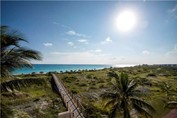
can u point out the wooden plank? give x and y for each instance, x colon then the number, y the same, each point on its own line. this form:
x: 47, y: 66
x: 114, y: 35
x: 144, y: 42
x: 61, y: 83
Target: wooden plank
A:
x: 70, y: 102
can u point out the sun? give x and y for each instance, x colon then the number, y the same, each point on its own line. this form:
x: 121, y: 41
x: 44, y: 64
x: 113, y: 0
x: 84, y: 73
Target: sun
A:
x: 126, y: 21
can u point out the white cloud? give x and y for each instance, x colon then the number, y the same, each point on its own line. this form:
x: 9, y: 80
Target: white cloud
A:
x: 107, y: 40
x: 71, y: 32
x: 61, y: 25
x: 173, y: 11
x: 48, y: 44
x: 171, y: 56
x: 56, y: 53
x: 83, y: 41
x: 86, y: 57
x: 145, y: 52
x: 96, y: 51
x: 67, y: 53
x: 65, y: 26
x: 74, y: 33
x: 89, y: 57
x: 119, y: 60
x: 70, y: 43
x: 175, y: 48
x: 173, y: 52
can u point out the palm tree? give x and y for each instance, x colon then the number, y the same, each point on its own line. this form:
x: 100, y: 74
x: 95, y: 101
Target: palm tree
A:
x: 14, y: 56
x: 124, y: 97
x: 166, y: 88
x: 171, y: 105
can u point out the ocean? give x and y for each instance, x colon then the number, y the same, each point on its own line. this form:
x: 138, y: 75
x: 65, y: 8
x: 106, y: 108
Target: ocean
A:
x: 37, y: 68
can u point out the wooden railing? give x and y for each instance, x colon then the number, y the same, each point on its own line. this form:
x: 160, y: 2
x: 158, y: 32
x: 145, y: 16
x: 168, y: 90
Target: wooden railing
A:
x: 72, y: 103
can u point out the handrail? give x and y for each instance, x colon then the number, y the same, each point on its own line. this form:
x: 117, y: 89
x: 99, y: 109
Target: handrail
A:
x: 74, y: 101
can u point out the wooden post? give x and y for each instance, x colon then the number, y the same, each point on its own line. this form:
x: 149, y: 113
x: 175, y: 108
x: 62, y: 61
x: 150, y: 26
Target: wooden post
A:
x: 69, y: 99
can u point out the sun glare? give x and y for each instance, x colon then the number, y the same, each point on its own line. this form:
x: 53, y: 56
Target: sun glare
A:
x: 126, y: 21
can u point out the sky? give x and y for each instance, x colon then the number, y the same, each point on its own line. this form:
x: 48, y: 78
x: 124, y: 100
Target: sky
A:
x: 71, y: 32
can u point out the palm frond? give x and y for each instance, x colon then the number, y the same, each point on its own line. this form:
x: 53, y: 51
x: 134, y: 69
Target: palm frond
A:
x: 28, y: 54
x: 20, y: 83
x: 6, y: 112
x: 124, y: 82
x: 113, y: 74
x: 14, y: 56
x: 10, y: 38
x: 110, y: 103
x: 114, y: 110
x: 124, y: 96
x: 131, y: 86
x: 142, y: 110
x: 125, y: 106
x: 142, y: 104
x: 171, y: 104
x: 108, y: 95
x: 137, y: 93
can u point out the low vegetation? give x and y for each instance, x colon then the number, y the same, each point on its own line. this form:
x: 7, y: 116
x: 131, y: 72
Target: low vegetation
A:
x: 35, y: 97
x: 158, y: 85
x: 30, y: 98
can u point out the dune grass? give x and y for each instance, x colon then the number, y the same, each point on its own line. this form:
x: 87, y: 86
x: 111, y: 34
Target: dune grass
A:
x: 34, y: 100
x: 88, y: 85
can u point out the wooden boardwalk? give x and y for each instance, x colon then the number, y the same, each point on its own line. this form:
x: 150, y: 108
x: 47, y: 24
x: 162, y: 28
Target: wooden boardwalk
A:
x: 73, y: 105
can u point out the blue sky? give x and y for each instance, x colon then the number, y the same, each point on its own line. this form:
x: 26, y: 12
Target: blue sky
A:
x: 86, y: 32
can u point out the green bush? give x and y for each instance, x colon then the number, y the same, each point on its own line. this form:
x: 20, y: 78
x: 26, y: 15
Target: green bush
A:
x: 82, y: 84
x: 74, y: 91
x: 89, y: 76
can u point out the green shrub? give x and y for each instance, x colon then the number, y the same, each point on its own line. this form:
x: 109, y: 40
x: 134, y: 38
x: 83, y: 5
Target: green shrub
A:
x: 151, y: 75
x: 82, y: 84
x: 89, y: 76
x: 93, y: 87
x: 74, y: 91
x: 101, y: 86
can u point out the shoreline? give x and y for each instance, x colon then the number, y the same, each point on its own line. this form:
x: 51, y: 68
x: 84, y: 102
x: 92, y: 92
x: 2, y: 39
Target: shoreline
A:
x: 45, y: 68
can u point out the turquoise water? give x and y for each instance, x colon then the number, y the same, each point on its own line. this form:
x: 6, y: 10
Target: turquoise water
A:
x: 58, y: 67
